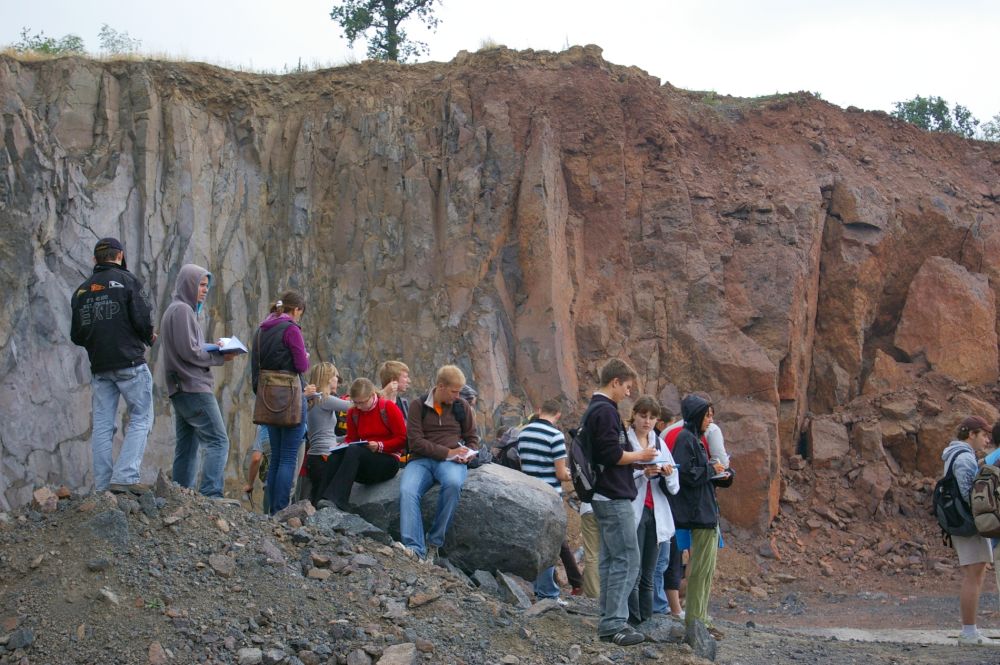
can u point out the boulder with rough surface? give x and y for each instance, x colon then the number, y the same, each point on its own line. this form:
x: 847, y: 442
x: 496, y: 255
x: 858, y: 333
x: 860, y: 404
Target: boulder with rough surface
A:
x: 505, y: 519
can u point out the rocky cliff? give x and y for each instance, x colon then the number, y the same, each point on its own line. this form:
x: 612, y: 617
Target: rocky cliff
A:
x: 526, y: 215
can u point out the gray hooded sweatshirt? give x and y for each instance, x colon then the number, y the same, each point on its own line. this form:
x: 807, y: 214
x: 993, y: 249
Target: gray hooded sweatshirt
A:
x: 966, y: 465
x: 186, y: 365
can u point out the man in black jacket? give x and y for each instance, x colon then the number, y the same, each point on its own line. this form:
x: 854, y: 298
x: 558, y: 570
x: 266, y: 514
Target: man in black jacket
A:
x: 113, y: 320
x: 618, y: 561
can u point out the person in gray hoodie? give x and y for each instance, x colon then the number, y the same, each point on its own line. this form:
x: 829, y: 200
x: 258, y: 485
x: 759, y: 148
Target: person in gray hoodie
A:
x: 974, y: 552
x: 187, y: 370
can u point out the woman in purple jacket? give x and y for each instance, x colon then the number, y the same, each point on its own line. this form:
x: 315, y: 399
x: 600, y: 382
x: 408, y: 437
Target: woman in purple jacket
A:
x: 279, y: 345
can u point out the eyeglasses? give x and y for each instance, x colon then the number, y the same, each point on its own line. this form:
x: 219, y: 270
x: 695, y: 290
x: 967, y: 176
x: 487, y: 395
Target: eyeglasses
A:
x: 363, y: 403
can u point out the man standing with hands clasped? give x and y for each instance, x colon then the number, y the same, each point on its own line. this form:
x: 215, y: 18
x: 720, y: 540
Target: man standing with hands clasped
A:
x: 618, y: 561
x: 442, y: 440
x: 112, y: 319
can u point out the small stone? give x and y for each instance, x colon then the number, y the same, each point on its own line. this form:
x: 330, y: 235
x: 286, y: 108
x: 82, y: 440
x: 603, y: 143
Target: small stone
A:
x: 274, y: 656
x: 399, y: 654
x: 109, y: 596
x: 419, y: 599
x: 171, y: 520
x: 510, y: 659
x: 300, y: 535
x: 37, y: 561
x: 320, y: 560
x: 271, y: 552
x: 20, y: 639
x: 758, y: 592
x: 87, y: 506
x: 541, y: 607
x: 223, y: 565
x: 45, y: 500
x: 9, y: 623
x: 301, y: 510
x: 358, y: 657
x: 364, y: 561
x: 319, y: 574
x: 796, y: 463
x: 574, y: 653
x: 98, y: 565
x: 63, y: 492
x: 157, y: 655
x: 424, y: 646
x: 249, y: 656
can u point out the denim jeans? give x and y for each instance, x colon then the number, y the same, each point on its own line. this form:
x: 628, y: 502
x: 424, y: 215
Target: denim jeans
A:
x: 660, y: 604
x: 198, y: 425
x: 618, y: 562
x: 545, y: 584
x: 285, y: 444
x: 135, y: 384
x: 418, y: 476
x: 640, y: 603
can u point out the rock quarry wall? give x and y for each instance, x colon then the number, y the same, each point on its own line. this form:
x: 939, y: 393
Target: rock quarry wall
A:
x: 525, y: 215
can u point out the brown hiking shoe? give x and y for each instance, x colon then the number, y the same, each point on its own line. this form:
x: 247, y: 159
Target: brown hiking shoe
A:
x: 134, y: 488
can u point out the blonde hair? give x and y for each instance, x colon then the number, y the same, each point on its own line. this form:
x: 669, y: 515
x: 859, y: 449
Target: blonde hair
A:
x: 451, y: 376
x: 362, y: 388
x: 320, y: 376
x: 390, y: 371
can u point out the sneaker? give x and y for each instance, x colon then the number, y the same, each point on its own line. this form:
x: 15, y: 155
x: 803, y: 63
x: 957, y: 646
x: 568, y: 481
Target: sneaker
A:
x: 977, y: 640
x: 626, y: 637
x: 679, y: 616
x: 561, y: 602
x: 227, y: 502
x: 324, y: 503
x: 133, y: 488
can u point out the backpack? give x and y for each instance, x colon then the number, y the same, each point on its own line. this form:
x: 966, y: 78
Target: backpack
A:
x: 355, y: 416
x: 950, y: 508
x: 579, y: 459
x: 985, y: 501
x: 505, y: 453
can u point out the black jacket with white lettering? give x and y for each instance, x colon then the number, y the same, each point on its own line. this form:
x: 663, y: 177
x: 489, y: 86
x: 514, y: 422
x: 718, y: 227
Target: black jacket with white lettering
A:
x: 112, y: 319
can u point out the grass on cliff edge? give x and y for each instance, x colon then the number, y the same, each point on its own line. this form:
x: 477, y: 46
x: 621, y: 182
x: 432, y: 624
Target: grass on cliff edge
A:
x: 300, y: 68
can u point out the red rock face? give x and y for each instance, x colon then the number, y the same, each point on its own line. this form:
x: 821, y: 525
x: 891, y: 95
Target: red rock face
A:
x: 950, y: 318
x: 525, y: 215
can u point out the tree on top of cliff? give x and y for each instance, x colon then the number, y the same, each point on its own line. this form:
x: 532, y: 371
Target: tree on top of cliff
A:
x: 934, y: 114
x: 39, y: 43
x: 379, y: 21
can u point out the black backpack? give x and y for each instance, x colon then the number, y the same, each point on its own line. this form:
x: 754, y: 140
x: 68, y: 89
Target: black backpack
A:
x: 950, y: 507
x: 505, y: 453
x: 580, y: 459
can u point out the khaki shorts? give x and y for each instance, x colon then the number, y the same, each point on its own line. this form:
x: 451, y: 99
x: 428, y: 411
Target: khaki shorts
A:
x: 972, y: 549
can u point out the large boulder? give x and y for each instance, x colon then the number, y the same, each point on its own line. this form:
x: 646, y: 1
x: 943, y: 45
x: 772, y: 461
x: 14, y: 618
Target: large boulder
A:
x: 950, y: 317
x: 505, y: 521
x: 828, y: 440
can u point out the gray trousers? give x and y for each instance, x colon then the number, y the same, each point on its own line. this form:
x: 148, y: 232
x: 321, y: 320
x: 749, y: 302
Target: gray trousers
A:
x: 617, y: 562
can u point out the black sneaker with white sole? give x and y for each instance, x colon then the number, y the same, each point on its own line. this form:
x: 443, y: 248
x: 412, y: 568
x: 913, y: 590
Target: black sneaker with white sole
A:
x: 625, y: 637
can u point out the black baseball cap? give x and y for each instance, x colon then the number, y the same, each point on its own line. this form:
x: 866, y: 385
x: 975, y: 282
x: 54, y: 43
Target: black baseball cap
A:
x: 110, y: 243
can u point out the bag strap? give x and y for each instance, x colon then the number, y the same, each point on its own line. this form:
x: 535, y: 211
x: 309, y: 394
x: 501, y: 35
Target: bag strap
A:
x: 950, y: 464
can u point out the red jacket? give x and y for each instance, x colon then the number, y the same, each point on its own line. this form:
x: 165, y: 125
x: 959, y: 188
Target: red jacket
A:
x: 383, y: 423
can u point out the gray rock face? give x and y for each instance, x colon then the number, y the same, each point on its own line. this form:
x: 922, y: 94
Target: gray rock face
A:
x: 663, y: 628
x: 112, y: 526
x: 700, y: 640
x: 505, y: 520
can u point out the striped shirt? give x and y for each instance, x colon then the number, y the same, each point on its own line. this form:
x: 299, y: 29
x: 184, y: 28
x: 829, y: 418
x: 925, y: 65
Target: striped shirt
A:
x: 539, y: 445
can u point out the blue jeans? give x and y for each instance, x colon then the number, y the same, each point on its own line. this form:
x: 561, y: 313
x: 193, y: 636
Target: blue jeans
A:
x: 618, y: 562
x: 135, y: 384
x: 640, y: 604
x: 285, y: 444
x: 198, y: 424
x: 418, y: 476
x: 545, y: 584
x: 660, y: 603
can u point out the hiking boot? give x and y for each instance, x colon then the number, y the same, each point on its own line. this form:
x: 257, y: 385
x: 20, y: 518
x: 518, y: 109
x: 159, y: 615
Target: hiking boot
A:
x: 133, y: 488
x: 977, y: 640
x: 325, y: 503
x: 626, y: 637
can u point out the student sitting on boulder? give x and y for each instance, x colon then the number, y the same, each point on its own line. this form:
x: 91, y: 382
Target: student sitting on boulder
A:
x: 441, y: 433
x: 376, y: 436
x: 322, y: 424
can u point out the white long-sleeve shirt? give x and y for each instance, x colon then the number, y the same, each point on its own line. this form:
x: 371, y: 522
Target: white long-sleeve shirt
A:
x: 661, y: 508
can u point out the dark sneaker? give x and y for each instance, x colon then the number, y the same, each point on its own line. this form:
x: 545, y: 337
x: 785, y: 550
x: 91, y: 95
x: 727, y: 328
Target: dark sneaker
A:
x: 626, y: 637
x: 134, y: 488
x: 324, y: 503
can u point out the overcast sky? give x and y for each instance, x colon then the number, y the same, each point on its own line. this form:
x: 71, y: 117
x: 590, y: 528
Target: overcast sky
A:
x: 866, y: 53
